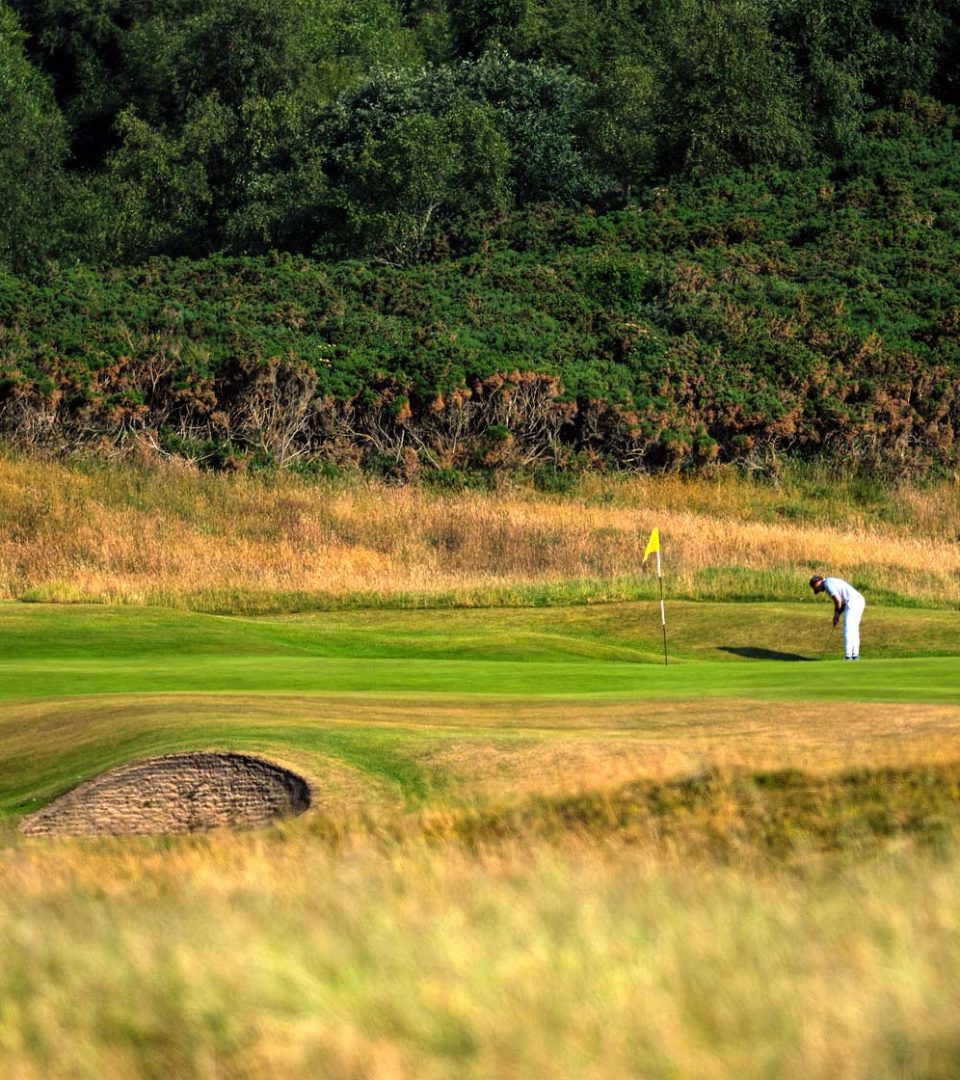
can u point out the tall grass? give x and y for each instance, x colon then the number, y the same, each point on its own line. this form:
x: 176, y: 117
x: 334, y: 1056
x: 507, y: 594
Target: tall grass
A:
x: 263, y: 955
x: 127, y: 534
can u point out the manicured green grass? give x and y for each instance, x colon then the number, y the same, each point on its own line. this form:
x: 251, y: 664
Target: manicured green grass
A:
x: 716, y: 649
x: 928, y: 680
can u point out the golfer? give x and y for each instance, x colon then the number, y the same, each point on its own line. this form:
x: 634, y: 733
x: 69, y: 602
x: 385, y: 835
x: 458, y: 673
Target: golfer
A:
x: 846, y: 602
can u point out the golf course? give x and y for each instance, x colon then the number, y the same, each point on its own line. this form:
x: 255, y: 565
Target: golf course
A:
x: 530, y: 845
x: 479, y: 540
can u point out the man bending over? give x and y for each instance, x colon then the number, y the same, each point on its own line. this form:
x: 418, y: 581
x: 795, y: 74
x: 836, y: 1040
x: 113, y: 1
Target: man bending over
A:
x: 846, y: 602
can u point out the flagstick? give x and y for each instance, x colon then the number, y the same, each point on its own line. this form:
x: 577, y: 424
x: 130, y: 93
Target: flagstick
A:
x: 663, y: 610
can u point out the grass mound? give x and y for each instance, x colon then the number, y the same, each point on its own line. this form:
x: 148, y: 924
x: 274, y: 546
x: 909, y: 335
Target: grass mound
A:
x: 725, y: 814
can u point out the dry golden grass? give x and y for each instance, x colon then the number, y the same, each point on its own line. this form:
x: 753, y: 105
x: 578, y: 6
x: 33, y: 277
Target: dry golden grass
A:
x: 245, y: 957
x: 819, y: 738
x: 134, y: 535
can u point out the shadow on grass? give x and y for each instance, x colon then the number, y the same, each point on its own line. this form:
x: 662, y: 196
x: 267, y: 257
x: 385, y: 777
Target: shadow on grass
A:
x: 753, y: 653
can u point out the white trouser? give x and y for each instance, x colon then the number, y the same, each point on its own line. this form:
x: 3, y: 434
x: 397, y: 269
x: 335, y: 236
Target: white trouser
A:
x: 851, y: 626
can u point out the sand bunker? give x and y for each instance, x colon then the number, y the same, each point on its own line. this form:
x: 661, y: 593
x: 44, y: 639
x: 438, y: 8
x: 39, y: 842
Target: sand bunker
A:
x: 176, y: 793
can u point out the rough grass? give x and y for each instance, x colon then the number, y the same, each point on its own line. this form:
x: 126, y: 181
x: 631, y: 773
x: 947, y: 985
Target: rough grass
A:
x: 127, y: 534
x: 263, y: 955
x: 781, y: 815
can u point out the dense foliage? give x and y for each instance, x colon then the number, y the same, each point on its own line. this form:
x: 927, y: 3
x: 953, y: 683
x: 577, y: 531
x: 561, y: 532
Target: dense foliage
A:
x: 811, y: 311
x: 457, y: 234
x: 346, y: 128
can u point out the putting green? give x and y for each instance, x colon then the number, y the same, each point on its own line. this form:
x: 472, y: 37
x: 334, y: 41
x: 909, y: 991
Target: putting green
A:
x: 717, y: 649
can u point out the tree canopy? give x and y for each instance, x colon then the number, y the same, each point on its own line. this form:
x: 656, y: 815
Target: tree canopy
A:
x: 399, y: 127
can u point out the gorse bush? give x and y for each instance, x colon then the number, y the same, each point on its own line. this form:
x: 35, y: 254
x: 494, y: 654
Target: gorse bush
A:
x: 737, y: 318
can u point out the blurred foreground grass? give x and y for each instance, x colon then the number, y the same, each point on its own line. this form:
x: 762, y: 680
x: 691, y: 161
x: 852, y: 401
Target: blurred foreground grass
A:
x: 271, y: 954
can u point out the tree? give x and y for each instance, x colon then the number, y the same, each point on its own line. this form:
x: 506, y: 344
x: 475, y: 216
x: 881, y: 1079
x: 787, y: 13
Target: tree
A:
x: 478, y: 24
x: 582, y: 36
x: 623, y: 123
x: 834, y: 47
x: 161, y: 185
x: 541, y: 112
x: 910, y: 40
x: 409, y: 156
x: 726, y: 95
x: 214, y: 144
x: 33, y: 150
x: 79, y: 45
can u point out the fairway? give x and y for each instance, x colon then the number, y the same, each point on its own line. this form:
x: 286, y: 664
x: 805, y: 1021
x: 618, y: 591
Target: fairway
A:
x: 412, y: 708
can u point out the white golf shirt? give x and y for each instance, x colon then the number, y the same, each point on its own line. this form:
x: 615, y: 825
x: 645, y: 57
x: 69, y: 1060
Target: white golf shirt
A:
x: 837, y: 588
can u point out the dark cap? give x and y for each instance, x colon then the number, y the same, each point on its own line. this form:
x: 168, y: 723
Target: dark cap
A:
x: 815, y: 581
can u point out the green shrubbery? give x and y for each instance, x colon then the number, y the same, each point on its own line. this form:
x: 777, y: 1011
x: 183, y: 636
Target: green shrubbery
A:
x: 812, y: 312
x: 443, y: 237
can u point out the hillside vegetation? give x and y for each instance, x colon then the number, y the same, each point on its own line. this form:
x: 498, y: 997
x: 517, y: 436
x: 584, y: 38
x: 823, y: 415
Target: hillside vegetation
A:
x: 436, y: 235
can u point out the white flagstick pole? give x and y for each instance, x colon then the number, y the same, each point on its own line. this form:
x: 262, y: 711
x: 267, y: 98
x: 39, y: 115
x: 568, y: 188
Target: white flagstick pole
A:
x: 663, y: 610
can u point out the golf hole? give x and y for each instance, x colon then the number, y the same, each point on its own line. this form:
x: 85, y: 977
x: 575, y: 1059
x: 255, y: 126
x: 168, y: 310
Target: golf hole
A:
x: 175, y: 793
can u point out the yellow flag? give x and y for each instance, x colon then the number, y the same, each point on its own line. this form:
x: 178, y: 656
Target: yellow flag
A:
x: 653, y: 544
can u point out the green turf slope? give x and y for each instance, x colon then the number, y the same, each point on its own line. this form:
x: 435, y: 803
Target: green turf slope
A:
x: 716, y: 649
